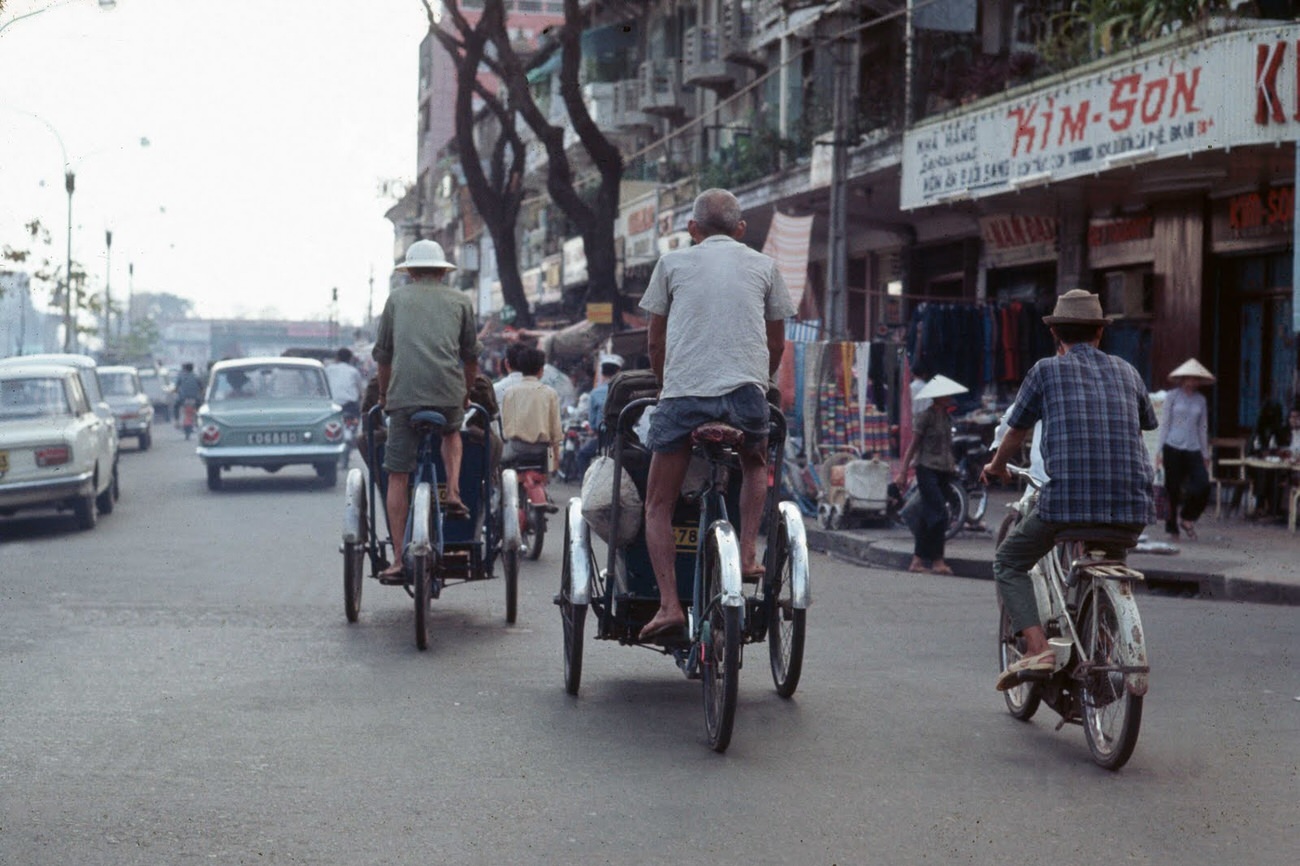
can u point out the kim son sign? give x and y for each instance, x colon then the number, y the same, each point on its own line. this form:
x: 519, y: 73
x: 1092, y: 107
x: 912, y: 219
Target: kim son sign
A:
x: 1227, y: 91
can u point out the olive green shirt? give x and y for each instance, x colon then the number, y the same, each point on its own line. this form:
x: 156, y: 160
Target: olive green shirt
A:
x: 426, y: 332
x: 934, y: 430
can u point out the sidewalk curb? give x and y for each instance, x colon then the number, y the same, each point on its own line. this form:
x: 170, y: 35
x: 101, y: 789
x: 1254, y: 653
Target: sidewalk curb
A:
x: 895, y: 553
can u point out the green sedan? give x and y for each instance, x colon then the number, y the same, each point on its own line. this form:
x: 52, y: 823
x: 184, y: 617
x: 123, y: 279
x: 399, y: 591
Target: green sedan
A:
x: 270, y: 413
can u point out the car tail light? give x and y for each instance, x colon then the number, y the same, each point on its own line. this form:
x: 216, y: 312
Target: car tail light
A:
x: 210, y: 435
x: 333, y: 431
x: 55, y: 455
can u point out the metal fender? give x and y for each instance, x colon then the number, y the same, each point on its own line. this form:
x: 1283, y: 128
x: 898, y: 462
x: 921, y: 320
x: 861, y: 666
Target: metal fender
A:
x: 421, y: 507
x: 800, y: 588
x: 579, y: 536
x: 724, y: 536
x: 511, y: 536
x: 1133, y: 644
x: 354, y: 507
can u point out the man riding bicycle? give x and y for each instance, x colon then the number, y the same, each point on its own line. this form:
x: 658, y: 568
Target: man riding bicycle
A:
x: 347, y: 386
x: 427, y: 349
x: 188, y: 387
x: 716, y: 335
x: 1093, y: 407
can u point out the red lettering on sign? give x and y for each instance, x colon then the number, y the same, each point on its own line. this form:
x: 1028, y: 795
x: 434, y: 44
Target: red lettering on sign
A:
x: 1185, y: 92
x: 1024, y: 127
x: 1268, y: 62
x: 1153, y: 99
x: 1124, y: 108
x: 1073, y: 125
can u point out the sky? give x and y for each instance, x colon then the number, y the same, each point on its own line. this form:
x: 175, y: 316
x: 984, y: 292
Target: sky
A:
x: 270, y: 124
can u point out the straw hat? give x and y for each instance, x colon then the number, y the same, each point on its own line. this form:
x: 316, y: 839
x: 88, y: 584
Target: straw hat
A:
x: 1192, y: 369
x: 425, y: 254
x: 940, y: 386
x: 1077, y: 307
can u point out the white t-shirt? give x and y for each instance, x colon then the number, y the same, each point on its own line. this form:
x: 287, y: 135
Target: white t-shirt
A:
x: 718, y: 297
x: 346, y: 383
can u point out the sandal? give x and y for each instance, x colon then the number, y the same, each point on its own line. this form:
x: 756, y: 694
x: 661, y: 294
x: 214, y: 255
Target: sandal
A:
x: 941, y: 569
x: 1044, y: 661
x: 455, y: 511
x: 1189, y: 529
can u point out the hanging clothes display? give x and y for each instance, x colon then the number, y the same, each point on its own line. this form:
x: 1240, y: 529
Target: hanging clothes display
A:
x: 978, y: 344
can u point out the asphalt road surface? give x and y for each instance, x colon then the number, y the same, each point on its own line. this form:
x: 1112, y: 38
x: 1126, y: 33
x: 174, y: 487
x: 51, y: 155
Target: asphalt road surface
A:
x: 180, y: 685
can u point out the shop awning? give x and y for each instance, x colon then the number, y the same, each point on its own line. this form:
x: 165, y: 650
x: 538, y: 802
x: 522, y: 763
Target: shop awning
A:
x: 787, y: 242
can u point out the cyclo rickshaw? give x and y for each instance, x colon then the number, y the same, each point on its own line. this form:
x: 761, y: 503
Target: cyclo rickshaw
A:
x: 723, y: 613
x: 437, y: 551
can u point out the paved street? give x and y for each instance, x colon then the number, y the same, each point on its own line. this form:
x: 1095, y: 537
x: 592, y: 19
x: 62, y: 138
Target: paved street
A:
x: 180, y: 685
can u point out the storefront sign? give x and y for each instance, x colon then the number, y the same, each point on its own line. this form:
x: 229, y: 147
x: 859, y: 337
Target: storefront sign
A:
x: 1105, y: 232
x: 1014, y: 240
x: 674, y: 241
x: 1231, y: 90
x: 552, y: 273
x: 1254, y: 220
x: 600, y: 314
x: 575, y: 262
x: 641, y: 231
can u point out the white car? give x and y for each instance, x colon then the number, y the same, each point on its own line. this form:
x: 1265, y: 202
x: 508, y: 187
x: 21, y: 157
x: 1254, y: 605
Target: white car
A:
x: 53, y: 451
x: 131, y: 407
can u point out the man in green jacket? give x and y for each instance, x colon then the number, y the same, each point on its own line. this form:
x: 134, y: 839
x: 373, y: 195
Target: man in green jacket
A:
x: 427, y: 349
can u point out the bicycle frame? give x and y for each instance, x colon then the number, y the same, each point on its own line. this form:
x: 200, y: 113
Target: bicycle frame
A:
x: 1063, y: 593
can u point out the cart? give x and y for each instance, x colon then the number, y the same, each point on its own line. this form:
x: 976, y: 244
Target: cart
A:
x: 438, y: 551
x: 724, y: 614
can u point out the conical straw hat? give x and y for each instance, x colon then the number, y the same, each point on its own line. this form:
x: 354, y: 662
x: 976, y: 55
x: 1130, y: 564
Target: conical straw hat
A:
x: 940, y: 386
x: 1192, y: 369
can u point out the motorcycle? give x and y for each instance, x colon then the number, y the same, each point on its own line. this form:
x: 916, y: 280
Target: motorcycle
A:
x: 351, y: 430
x: 534, y: 505
x: 970, y: 454
x: 577, y: 434
x: 189, y: 416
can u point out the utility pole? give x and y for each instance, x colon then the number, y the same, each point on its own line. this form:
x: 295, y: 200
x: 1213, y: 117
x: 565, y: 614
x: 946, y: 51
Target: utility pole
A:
x: 370, y: 302
x: 69, y: 326
x: 130, y: 301
x: 837, y: 277
x: 108, y: 288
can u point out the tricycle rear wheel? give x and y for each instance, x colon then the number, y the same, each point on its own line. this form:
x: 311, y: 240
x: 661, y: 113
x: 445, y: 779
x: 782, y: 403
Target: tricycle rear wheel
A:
x: 353, y: 575
x: 786, y: 624
x: 422, y: 565
x: 720, y: 652
x: 572, y: 618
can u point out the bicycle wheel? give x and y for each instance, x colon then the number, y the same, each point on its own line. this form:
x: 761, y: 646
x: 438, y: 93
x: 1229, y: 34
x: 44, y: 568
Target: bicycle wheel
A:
x: 534, y: 532
x: 424, y: 538
x: 510, y: 565
x: 720, y: 651
x: 1022, y: 700
x: 572, y: 618
x: 954, y: 496
x: 977, y: 504
x: 1111, y: 714
x: 785, y: 624
x: 354, y: 554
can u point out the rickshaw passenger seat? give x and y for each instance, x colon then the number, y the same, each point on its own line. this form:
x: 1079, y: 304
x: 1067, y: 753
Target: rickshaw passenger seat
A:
x: 717, y: 434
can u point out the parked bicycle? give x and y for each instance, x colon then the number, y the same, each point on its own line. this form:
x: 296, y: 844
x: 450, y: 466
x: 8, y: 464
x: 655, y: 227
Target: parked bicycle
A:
x: 1086, y: 605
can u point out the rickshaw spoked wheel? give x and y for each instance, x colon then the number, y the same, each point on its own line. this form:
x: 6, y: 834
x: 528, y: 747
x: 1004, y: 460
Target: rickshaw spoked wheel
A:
x: 720, y: 651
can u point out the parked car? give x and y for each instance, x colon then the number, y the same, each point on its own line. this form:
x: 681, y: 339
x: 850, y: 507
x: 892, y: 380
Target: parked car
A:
x: 157, y: 384
x: 131, y: 408
x: 53, y: 451
x: 88, y: 372
x: 270, y: 413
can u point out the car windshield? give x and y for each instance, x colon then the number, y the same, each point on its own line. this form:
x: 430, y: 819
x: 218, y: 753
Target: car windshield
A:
x: 269, y: 382
x: 116, y: 384
x: 33, y: 398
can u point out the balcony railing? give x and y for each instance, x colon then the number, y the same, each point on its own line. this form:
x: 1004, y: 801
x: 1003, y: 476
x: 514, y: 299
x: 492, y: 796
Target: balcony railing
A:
x: 627, y: 105
x: 738, y: 32
x: 661, y: 88
x: 702, y: 62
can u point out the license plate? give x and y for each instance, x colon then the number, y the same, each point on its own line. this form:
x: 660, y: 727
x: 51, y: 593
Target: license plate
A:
x: 279, y: 438
x: 686, y: 538
x: 4, y: 462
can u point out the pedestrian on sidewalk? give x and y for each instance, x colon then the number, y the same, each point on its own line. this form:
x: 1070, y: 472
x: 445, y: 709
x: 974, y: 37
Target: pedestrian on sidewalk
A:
x: 1184, y: 450
x: 931, y: 452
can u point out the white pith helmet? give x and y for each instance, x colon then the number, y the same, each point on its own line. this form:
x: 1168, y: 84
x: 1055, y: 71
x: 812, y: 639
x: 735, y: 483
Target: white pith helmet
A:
x: 425, y: 254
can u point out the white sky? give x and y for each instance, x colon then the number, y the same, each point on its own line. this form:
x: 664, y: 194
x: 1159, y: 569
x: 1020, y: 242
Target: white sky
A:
x: 270, y: 122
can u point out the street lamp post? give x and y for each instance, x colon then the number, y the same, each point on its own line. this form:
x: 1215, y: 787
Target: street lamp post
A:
x: 69, y: 329
x: 108, y: 287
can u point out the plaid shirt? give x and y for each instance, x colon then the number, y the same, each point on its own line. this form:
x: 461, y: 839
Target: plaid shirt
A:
x: 1094, y: 408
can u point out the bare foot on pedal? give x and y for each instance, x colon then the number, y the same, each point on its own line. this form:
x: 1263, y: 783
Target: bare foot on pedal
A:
x: 394, y: 570
x: 664, y: 622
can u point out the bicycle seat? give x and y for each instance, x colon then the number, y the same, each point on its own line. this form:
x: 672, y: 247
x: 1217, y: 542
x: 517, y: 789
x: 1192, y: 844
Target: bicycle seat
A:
x: 427, y: 420
x: 717, y: 434
x: 1098, y: 535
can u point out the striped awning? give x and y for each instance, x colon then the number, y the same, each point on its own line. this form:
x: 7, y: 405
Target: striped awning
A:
x: 787, y: 242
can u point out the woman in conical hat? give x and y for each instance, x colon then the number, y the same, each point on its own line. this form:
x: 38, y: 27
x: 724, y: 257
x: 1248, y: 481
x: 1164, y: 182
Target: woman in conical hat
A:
x: 931, y: 452
x: 1185, y: 448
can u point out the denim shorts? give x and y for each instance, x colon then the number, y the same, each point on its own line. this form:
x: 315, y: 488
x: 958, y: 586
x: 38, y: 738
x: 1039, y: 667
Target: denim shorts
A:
x: 404, y: 443
x: 676, y: 417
